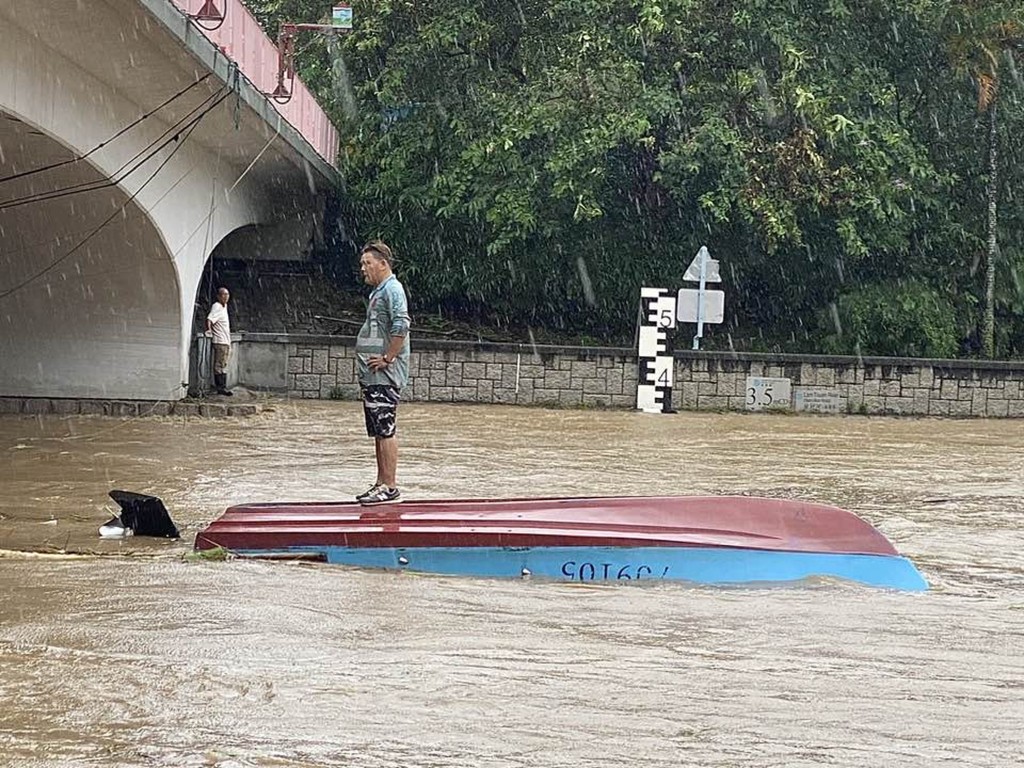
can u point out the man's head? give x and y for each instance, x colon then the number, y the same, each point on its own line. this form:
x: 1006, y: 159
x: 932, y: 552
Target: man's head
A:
x: 375, y: 262
x: 223, y: 295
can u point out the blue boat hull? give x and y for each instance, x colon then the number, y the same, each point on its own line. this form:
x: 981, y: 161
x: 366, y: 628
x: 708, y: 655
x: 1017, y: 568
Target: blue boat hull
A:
x: 700, y: 565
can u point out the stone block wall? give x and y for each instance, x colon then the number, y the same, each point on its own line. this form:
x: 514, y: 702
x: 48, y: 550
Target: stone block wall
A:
x: 323, y: 367
x: 893, y: 386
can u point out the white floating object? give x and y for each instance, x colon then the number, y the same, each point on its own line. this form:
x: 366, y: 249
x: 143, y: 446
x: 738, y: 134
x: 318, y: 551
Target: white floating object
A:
x: 115, y: 529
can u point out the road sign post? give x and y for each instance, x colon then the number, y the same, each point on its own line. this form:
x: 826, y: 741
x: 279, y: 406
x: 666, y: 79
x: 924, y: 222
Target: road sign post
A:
x: 703, y: 256
x: 703, y: 270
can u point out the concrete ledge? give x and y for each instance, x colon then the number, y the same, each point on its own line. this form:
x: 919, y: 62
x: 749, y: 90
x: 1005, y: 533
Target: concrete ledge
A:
x: 123, y: 409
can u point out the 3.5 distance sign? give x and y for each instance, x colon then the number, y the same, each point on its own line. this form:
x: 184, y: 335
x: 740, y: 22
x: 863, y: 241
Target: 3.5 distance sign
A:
x: 763, y: 393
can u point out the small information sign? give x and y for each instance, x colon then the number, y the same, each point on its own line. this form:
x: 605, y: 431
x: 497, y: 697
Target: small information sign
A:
x: 341, y: 16
x: 765, y: 393
x: 817, y: 400
x: 688, y: 307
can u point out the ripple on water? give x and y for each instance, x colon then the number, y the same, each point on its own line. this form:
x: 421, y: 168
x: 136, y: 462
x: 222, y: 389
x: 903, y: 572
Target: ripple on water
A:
x: 143, y: 660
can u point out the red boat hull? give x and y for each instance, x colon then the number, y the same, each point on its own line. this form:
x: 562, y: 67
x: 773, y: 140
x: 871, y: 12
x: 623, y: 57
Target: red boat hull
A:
x: 681, y: 521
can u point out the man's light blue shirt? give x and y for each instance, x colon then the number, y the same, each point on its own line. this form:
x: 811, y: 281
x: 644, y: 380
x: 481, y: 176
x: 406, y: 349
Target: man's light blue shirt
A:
x: 387, y: 315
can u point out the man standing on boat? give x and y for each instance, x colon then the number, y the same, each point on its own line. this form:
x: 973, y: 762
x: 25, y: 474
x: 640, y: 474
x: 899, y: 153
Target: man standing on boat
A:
x: 382, y: 357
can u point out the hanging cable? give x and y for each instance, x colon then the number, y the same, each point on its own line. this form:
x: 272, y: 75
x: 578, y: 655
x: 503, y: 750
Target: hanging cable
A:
x: 235, y: 81
x: 204, y: 222
x: 117, y: 177
x: 254, y: 160
x: 203, y: 379
x: 70, y: 236
x: 116, y: 136
x: 181, y: 142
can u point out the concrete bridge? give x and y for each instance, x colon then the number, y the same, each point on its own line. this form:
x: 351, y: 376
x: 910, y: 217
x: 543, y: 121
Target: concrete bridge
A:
x: 131, y: 146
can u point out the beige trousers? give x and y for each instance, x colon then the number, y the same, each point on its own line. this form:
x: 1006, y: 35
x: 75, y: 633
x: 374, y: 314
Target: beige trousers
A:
x: 221, y: 355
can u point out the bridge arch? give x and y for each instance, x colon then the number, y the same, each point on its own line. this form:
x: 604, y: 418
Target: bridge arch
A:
x: 84, y: 274
x: 167, y: 150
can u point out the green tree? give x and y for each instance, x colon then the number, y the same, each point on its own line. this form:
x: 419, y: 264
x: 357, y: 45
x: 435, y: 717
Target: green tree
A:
x: 909, y: 319
x: 537, y: 162
x: 982, y: 35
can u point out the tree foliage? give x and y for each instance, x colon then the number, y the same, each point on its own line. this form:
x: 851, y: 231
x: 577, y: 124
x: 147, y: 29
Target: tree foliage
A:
x: 536, y: 162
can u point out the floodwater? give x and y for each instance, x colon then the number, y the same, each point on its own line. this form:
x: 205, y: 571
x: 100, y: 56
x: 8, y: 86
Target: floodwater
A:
x: 122, y: 653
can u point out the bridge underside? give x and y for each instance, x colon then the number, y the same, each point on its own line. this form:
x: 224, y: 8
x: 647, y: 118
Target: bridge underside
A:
x: 108, y: 218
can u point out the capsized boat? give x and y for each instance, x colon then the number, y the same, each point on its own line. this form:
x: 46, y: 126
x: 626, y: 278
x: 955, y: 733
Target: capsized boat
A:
x: 738, y: 540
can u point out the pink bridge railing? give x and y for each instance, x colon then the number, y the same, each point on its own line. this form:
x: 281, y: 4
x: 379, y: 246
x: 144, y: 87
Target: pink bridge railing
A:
x: 244, y: 42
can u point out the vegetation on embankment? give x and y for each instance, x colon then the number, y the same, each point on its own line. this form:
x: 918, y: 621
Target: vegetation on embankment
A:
x: 855, y: 166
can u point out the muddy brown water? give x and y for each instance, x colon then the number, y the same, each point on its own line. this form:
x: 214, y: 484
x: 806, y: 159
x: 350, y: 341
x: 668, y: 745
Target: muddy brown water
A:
x: 121, y: 653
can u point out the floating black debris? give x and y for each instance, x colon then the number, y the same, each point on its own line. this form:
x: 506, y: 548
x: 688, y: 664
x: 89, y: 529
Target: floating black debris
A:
x: 141, y: 515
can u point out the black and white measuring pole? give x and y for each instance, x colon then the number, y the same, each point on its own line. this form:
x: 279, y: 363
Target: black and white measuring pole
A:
x: 659, y: 312
x: 654, y: 351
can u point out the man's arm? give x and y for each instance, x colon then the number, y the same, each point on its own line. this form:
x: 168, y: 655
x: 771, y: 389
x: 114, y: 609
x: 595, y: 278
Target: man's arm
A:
x: 398, y: 310
x: 397, y: 342
x: 213, y: 316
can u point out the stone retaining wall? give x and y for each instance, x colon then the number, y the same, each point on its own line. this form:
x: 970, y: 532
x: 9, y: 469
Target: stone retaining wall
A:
x: 323, y: 367
x: 475, y: 375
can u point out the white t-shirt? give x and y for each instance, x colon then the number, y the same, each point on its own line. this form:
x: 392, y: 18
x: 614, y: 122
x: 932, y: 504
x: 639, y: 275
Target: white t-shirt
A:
x: 218, y: 319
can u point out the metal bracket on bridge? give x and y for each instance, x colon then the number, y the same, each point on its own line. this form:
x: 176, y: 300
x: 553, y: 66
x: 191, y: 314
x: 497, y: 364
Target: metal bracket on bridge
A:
x: 341, y: 23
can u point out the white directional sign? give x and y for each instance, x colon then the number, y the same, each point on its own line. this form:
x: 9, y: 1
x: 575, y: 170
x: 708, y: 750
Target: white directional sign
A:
x: 699, y: 305
x: 688, y: 306
x: 711, y: 272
